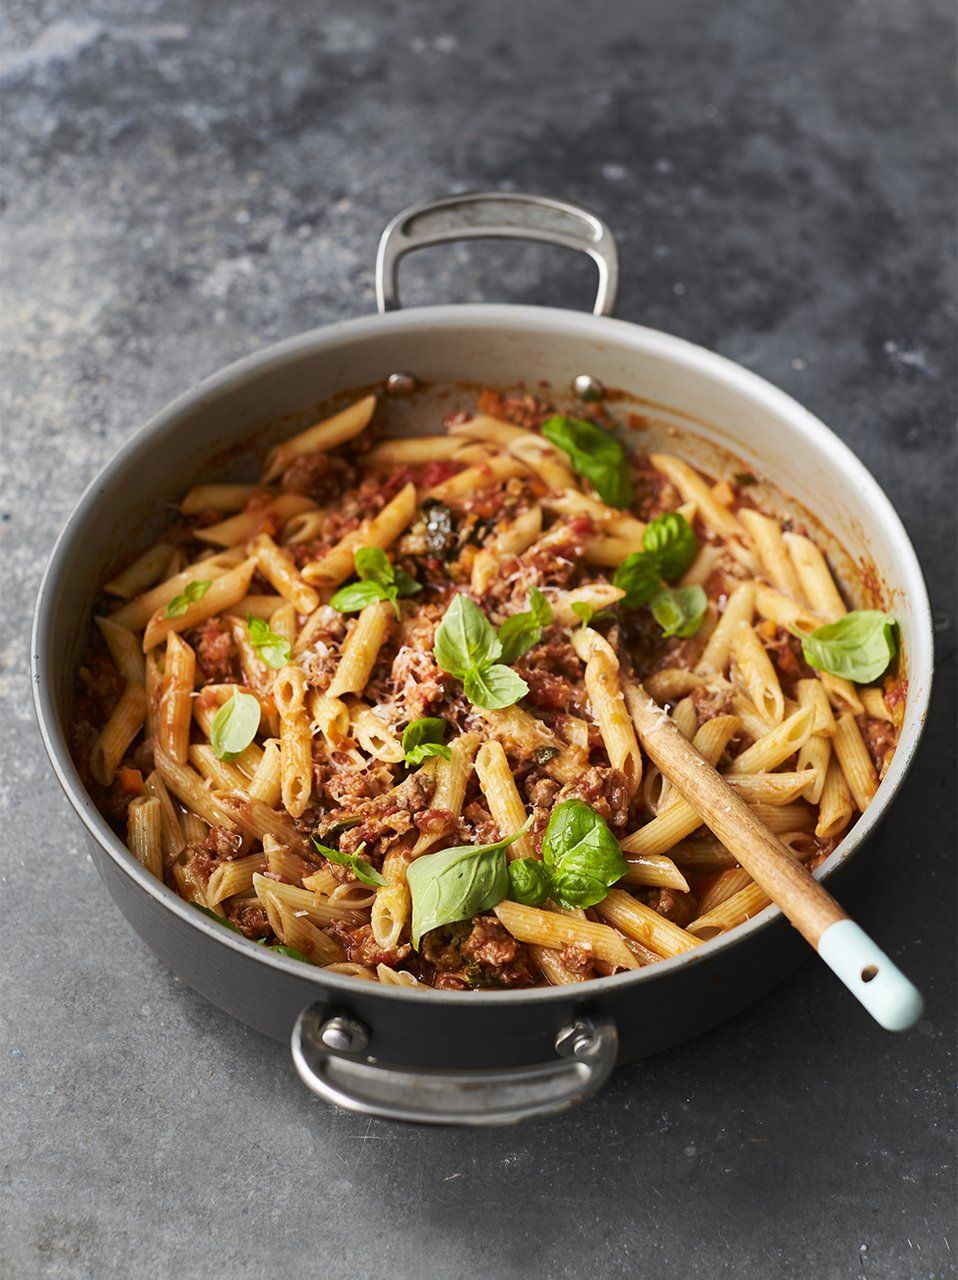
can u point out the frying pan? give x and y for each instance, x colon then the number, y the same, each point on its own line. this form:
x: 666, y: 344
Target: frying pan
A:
x: 484, y: 1057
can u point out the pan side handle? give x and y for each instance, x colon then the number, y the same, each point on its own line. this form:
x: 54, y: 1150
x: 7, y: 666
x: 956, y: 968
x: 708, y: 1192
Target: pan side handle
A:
x: 497, y: 215
x: 329, y: 1055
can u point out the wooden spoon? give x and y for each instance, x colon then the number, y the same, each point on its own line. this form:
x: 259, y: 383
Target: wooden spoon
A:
x: 848, y: 951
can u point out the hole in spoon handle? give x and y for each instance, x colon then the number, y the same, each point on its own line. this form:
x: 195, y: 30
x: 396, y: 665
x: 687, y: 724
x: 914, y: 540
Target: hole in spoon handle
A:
x: 892, y: 1000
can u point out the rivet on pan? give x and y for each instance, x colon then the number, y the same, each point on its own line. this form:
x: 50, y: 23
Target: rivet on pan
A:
x: 344, y: 1034
x: 401, y: 384
x: 588, y: 388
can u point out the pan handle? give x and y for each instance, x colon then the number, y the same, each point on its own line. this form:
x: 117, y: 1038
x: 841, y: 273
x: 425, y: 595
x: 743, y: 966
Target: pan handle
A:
x: 329, y: 1054
x: 497, y: 215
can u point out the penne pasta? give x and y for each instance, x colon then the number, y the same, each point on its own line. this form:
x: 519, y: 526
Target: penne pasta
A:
x: 124, y: 650
x: 341, y: 427
x: 360, y: 649
x: 381, y: 531
x: 144, y: 833
x: 221, y: 593
x: 175, y: 710
x: 118, y: 732
x: 146, y: 569
x: 502, y: 796
x: 549, y: 929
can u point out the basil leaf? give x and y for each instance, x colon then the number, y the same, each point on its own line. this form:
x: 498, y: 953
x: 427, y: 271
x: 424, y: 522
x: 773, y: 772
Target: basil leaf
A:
x: 272, y: 648
x: 494, y: 686
x: 372, y: 564
x: 669, y: 538
x: 465, y: 639
x: 578, y: 889
x: 227, y: 924
x: 287, y: 951
x: 581, y: 854
x: 360, y: 868
x: 422, y: 738
x: 234, y: 725
x: 457, y: 884
x: 405, y: 585
x: 529, y: 882
x: 192, y: 592
x: 858, y: 647
x: 357, y: 595
x: 596, y: 454
x: 378, y: 580
x: 638, y: 576
x: 523, y: 630
x: 582, y: 609
x: 679, y: 610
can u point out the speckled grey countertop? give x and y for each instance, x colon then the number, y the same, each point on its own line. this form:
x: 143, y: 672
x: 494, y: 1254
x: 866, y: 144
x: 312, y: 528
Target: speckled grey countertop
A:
x: 186, y: 182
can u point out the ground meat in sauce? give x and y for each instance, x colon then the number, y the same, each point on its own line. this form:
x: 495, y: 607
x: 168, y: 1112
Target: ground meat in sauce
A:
x: 388, y: 816
x: 320, y: 476
x: 521, y: 408
x: 712, y: 702
x: 362, y: 948
x: 476, y: 954
x: 879, y: 738
x: 213, y: 645
x: 603, y: 789
x: 250, y: 919
x: 490, y: 944
x: 680, y: 908
x: 578, y: 957
x: 785, y: 650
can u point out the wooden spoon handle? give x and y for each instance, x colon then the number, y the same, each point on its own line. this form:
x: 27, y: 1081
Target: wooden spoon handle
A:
x: 884, y: 991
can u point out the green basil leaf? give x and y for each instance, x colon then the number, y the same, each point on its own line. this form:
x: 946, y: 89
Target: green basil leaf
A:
x: 582, y: 609
x: 457, y: 884
x: 494, y: 686
x: 422, y: 738
x: 272, y: 648
x: 523, y: 630
x: 581, y: 854
x: 332, y: 833
x: 858, y: 647
x: 465, y: 639
x: 596, y: 454
x: 235, y: 725
x: 638, y: 576
x: 405, y: 585
x: 529, y: 882
x: 360, y: 868
x: 671, y: 540
x: 357, y: 595
x: 378, y: 580
x: 192, y: 592
x: 578, y: 889
x: 227, y: 924
x: 372, y: 564
x: 679, y: 610
x: 287, y: 951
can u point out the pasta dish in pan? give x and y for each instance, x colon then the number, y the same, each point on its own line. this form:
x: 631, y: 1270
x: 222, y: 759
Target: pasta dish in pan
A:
x: 369, y: 712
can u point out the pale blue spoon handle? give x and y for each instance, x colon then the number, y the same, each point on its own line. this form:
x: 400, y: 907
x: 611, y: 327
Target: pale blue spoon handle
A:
x: 893, y: 1001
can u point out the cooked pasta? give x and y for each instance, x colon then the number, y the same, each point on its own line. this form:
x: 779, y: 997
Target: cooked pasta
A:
x: 367, y: 707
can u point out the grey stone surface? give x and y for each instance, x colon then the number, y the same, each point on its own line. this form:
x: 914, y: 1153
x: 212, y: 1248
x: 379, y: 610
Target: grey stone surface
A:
x: 185, y: 182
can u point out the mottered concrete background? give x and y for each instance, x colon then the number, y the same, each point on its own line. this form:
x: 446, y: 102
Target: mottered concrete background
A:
x: 186, y: 182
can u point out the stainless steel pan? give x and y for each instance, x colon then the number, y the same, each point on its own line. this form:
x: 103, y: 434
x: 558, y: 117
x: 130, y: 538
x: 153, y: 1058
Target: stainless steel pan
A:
x: 477, y: 1058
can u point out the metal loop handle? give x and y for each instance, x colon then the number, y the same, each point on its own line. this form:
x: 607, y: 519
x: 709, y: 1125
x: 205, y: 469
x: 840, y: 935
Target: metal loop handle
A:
x: 497, y: 215
x: 329, y: 1056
